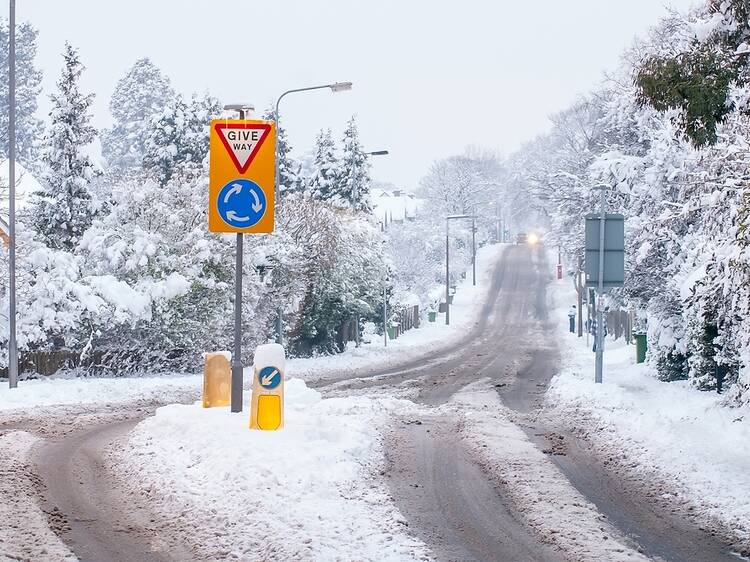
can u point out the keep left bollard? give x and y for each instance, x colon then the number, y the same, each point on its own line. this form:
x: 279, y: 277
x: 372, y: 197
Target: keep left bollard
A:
x: 267, y: 410
x: 216, y: 380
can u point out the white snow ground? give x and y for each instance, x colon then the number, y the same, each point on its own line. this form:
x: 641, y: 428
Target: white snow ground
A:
x: 309, y: 492
x: 686, y: 437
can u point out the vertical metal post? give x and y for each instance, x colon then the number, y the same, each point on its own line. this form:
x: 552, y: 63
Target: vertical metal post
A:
x: 447, y: 273
x: 473, y: 252
x: 599, y: 312
x: 277, y: 191
x: 237, y: 367
x: 385, y: 306
x: 12, y: 343
x: 579, y: 289
x: 498, y: 231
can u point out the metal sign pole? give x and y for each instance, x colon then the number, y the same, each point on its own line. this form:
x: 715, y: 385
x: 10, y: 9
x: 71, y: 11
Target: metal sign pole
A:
x: 12, y: 343
x: 599, y: 312
x: 277, y: 188
x: 473, y: 252
x: 447, y: 273
x: 385, y: 305
x: 237, y: 367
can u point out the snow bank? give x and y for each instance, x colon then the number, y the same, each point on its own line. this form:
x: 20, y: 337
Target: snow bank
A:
x: 686, y: 436
x: 542, y: 494
x: 60, y: 391
x: 307, y: 492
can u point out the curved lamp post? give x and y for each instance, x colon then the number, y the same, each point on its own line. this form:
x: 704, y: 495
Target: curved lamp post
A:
x: 335, y: 87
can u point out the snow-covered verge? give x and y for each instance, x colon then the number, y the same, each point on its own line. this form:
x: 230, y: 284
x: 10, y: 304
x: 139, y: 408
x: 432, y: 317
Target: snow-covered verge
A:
x: 687, y: 438
x: 24, y: 530
x: 55, y: 391
x: 308, y: 492
x: 430, y: 337
x: 542, y: 495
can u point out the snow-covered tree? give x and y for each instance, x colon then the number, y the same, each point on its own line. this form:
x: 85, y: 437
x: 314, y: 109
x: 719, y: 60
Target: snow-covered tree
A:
x: 354, y: 183
x: 28, y: 86
x: 139, y: 95
x: 289, y: 169
x: 178, y: 136
x: 460, y: 184
x: 324, y: 183
x: 341, y: 271
x: 63, y: 211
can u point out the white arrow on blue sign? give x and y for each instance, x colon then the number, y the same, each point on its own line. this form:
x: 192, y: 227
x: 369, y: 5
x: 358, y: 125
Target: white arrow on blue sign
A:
x: 269, y: 377
x: 241, y: 203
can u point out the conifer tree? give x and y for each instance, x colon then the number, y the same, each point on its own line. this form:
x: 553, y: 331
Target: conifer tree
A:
x: 63, y: 211
x: 178, y: 138
x: 139, y: 95
x: 326, y: 175
x: 28, y: 85
x: 354, y: 184
x: 289, y: 180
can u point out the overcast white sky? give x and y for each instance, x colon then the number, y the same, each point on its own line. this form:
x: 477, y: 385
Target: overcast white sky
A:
x: 430, y: 76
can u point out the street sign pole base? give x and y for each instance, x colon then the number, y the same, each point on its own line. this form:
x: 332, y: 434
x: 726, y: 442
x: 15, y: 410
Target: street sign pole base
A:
x: 237, y: 381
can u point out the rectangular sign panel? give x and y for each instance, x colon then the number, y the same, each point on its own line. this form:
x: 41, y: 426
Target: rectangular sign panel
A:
x: 614, y: 250
x: 241, y: 189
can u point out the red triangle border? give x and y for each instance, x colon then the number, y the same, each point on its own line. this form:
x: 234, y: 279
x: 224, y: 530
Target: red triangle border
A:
x: 265, y: 127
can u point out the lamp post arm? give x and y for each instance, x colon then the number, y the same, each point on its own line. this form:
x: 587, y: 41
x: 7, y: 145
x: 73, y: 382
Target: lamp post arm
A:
x: 276, y: 118
x: 295, y: 90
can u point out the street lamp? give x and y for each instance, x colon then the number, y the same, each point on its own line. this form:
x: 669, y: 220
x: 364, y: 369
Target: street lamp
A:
x: 385, y: 289
x: 237, y: 369
x: 447, y: 261
x: 385, y: 286
x: 335, y: 87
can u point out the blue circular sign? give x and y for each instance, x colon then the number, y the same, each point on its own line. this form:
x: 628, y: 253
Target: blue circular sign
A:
x: 269, y: 377
x: 241, y: 203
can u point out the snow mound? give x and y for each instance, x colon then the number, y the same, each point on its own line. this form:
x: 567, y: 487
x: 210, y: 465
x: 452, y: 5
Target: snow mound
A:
x: 307, y: 492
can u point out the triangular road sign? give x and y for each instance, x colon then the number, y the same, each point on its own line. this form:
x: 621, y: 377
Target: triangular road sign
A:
x: 242, y: 141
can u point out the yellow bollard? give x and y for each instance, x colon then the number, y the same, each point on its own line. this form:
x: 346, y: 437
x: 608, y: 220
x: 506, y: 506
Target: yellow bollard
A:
x: 267, y: 409
x: 216, y: 380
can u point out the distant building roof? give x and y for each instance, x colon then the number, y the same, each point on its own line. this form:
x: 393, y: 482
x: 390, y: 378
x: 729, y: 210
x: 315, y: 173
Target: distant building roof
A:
x: 394, y: 205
